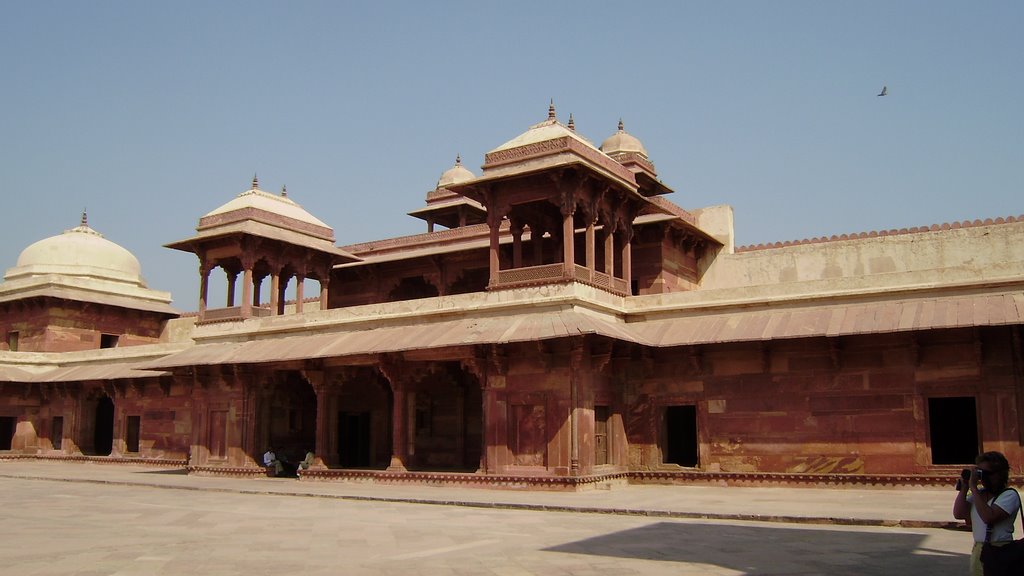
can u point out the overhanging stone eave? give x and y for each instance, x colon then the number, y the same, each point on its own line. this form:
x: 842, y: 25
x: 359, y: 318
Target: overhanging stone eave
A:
x: 508, y: 173
x: 262, y: 230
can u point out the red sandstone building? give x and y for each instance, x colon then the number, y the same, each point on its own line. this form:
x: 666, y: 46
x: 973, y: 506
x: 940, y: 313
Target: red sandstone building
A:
x: 560, y: 324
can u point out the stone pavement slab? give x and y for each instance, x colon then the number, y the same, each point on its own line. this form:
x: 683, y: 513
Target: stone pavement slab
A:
x: 924, y: 507
x: 92, y: 527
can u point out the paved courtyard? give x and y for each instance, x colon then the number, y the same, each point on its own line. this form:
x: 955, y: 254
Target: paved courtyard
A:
x: 88, y: 528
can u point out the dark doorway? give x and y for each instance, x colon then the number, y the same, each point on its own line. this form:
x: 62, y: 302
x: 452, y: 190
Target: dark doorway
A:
x: 57, y: 432
x: 131, y: 433
x: 953, y: 423
x: 680, y: 435
x: 7, y: 427
x: 291, y: 418
x: 354, y: 439
x: 601, y: 443
x: 103, y: 435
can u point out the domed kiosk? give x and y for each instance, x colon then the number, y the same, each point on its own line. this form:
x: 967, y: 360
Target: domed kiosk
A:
x: 447, y: 208
x: 258, y: 235
x: 94, y: 293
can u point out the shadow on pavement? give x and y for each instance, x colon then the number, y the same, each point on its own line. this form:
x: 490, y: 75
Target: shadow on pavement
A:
x: 775, y: 549
x: 172, y: 472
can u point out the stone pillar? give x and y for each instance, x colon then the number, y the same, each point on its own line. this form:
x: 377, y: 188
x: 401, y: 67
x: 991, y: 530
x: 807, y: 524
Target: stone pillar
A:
x: 247, y: 291
x: 568, y: 246
x: 394, y: 371
x: 281, y: 290
x: 300, y: 292
x: 609, y: 250
x: 627, y: 259
x: 232, y: 280
x: 324, y: 284
x: 495, y: 265
x: 591, y: 249
x: 323, y: 429
x: 275, y: 293
x: 517, y: 245
x: 399, y: 430
x: 204, y: 287
x: 576, y: 363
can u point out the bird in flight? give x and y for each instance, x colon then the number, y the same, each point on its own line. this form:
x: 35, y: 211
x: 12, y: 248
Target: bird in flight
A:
x: 884, y: 92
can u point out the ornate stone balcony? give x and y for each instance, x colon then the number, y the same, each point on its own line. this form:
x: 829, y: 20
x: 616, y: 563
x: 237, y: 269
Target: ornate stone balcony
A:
x: 555, y: 273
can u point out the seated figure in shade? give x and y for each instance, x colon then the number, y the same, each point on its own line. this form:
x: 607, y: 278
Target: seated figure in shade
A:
x: 270, y: 460
x: 305, y: 463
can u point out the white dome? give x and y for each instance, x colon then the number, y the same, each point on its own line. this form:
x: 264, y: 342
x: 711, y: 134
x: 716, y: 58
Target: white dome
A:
x: 80, y: 251
x: 621, y: 142
x: 258, y: 199
x: 455, y: 175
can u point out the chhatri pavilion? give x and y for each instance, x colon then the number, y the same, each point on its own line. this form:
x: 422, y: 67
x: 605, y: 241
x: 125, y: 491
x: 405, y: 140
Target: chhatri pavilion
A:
x: 560, y: 324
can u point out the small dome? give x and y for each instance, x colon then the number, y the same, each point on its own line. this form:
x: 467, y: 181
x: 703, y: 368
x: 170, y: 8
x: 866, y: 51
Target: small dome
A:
x: 621, y: 142
x: 455, y: 175
x: 80, y: 251
x: 281, y: 205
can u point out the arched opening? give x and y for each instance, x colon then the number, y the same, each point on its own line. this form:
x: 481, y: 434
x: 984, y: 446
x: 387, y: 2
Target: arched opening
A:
x: 412, y: 288
x: 103, y: 429
x: 471, y: 280
x: 446, y: 420
x: 289, y: 418
x: 364, y: 422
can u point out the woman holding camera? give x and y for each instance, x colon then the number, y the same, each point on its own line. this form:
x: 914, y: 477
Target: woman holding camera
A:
x: 983, y: 500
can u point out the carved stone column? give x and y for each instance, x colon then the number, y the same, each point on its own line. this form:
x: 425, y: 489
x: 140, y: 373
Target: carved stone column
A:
x: 322, y: 390
x: 247, y: 286
x: 325, y: 282
x: 493, y: 255
x: 568, y: 242
x: 576, y: 365
x: 609, y: 250
x: 627, y: 258
x: 232, y: 280
x: 204, y: 287
x: 300, y: 292
x: 275, y: 293
x: 517, y: 244
x: 394, y: 370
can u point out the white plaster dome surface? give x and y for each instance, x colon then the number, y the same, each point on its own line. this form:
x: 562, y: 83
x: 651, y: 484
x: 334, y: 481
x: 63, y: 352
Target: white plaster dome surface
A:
x: 455, y: 175
x: 622, y: 142
x: 80, y: 251
x: 258, y: 199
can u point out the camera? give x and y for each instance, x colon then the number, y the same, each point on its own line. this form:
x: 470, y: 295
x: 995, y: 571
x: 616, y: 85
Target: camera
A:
x: 965, y: 477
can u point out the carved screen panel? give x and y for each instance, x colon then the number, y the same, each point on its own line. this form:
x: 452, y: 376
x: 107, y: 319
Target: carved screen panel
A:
x: 528, y: 435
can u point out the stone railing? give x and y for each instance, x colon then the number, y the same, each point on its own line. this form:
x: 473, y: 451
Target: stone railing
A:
x: 555, y: 273
x: 531, y: 275
x: 601, y: 280
x: 231, y: 314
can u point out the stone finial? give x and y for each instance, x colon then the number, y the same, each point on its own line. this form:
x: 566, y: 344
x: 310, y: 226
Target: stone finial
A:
x: 572, y: 124
x: 85, y: 217
x: 551, y: 110
x: 622, y: 127
x: 255, y: 182
x: 284, y: 191
x: 458, y: 159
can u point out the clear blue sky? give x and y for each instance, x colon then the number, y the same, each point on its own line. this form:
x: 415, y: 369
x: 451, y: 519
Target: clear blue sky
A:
x: 152, y: 114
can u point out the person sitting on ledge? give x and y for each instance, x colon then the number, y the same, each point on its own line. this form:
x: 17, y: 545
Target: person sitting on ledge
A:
x: 270, y: 461
x: 305, y: 463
